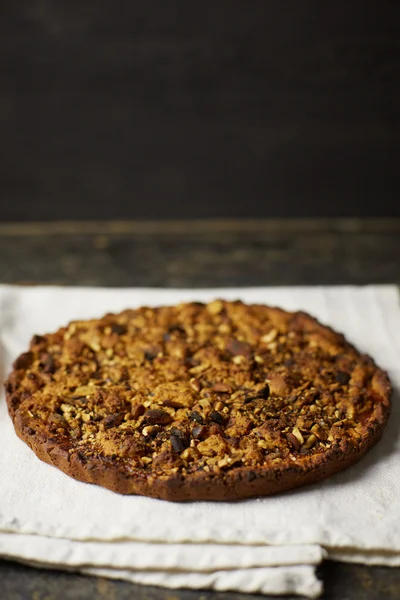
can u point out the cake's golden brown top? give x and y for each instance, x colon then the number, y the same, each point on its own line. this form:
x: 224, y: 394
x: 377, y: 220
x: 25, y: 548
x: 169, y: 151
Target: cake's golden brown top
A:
x: 194, y: 387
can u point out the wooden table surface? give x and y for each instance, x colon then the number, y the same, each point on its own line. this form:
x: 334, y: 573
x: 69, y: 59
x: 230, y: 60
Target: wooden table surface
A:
x: 197, y: 254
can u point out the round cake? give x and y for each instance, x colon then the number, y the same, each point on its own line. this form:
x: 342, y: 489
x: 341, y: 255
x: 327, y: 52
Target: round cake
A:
x: 217, y: 401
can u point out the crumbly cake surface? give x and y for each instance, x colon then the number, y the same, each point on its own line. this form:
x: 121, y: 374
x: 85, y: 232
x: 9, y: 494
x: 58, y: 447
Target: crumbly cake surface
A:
x: 194, y: 401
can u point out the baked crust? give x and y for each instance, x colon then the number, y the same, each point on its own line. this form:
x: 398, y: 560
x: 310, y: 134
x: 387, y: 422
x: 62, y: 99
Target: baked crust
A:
x: 198, y: 402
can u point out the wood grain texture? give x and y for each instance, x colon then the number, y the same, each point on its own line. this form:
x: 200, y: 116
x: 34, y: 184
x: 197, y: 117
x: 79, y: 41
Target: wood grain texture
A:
x: 202, y: 254
x: 198, y: 254
x: 170, y: 110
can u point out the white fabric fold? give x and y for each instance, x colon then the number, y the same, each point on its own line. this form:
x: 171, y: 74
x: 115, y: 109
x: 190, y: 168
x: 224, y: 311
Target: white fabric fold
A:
x: 47, y: 517
x: 145, y: 556
x: 300, y: 580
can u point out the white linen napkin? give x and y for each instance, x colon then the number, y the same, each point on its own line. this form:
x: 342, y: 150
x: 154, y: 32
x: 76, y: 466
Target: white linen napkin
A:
x: 268, y: 545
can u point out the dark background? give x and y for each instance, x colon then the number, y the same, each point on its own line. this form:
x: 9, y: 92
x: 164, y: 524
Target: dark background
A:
x: 176, y: 109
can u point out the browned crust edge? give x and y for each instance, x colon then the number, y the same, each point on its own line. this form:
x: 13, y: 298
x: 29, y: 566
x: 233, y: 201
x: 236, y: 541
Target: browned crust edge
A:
x: 239, y: 483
